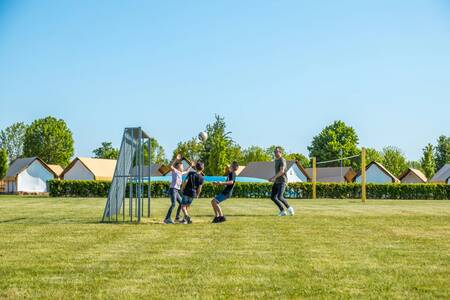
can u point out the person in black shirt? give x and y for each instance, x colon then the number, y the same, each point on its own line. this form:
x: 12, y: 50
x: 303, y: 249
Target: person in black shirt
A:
x: 192, y: 189
x: 225, y: 194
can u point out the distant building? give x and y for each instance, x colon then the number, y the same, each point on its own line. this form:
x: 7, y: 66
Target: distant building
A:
x: 442, y: 176
x: 84, y: 168
x: 266, y: 170
x: 332, y: 174
x: 377, y: 173
x: 413, y: 176
x: 28, y: 175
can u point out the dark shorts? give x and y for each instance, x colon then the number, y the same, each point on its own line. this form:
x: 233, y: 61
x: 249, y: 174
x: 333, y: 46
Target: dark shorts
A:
x: 221, y: 197
x: 187, y: 200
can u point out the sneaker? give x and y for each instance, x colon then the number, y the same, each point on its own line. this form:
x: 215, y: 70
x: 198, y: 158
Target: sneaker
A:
x: 282, y: 213
x: 168, y: 221
x: 291, y: 211
x: 222, y: 219
x: 215, y: 220
x: 188, y: 220
x: 179, y: 220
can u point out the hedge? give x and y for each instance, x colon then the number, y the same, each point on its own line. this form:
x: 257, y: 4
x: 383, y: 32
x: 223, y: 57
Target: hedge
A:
x: 89, y: 188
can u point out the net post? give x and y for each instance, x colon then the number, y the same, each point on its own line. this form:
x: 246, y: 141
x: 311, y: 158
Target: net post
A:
x: 314, y: 179
x: 149, y: 177
x: 363, y: 174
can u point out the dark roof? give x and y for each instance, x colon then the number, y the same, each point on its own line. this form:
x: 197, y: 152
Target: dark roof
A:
x: 20, y: 164
x: 266, y: 169
x: 332, y: 174
x: 442, y: 175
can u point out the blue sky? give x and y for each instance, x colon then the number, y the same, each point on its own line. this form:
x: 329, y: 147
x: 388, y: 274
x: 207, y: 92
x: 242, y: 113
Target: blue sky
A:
x: 278, y: 71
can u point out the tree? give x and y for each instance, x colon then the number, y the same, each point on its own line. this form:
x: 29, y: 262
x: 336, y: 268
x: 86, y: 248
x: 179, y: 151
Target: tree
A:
x: 303, y: 160
x: 428, y: 161
x: 217, y: 148
x: 442, y: 152
x: 373, y: 155
x: 3, y: 162
x: 191, y: 149
x: 12, y: 139
x: 158, y: 155
x: 334, y: 138
x: 236, y: 154
x: 394, y: 160
x: 50, y: 139
x: 106, y: 150
x: 255, y: 153
x: 415, y: 165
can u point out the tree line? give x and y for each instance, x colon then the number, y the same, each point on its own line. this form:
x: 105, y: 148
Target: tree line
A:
x: 51, y: 140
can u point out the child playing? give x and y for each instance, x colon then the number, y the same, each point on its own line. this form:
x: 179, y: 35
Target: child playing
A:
x: 225, y: 194
x: 174, y: 190
x: 192, y: 189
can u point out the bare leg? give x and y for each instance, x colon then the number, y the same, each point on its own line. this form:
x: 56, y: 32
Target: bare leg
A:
x: 214, y: 206
x: 217, y: 209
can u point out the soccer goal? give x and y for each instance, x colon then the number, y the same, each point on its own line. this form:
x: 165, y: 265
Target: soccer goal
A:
x: 131, y: 176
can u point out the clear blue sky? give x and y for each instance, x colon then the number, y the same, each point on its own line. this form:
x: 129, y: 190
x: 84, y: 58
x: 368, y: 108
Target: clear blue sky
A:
x: 278, y: 71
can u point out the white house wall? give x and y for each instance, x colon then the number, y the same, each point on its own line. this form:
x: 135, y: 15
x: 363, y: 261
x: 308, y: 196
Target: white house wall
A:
x: 375, y: 175
x: 295, y: 175
x: 78, y: 172
x: 34, y: 178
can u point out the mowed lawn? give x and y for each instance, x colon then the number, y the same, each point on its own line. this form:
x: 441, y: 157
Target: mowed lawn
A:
x: 56, y: 248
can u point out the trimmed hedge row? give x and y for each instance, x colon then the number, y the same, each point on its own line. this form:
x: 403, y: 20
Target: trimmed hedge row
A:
x: 90, y: 188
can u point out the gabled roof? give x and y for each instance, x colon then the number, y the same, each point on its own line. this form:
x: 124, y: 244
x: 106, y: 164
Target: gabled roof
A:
x: 20, y: 164
x: 332, y: 174
x: 102, y: 169
x: 382, y: 168
x: 266, y: 169
x: 416, y: 172
x: 442, y: 175
x: 57, y: 169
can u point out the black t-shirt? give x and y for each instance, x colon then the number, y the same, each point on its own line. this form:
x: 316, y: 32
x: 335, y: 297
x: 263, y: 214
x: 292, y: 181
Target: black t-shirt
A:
x: 193, y: 182
x: 228, y: 190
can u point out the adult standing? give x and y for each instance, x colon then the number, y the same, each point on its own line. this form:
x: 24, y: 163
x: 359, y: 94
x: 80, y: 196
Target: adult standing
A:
x: 279, y: 184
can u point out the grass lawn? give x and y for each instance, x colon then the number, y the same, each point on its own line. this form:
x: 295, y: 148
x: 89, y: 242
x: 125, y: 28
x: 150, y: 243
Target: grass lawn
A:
x: 56, y: 248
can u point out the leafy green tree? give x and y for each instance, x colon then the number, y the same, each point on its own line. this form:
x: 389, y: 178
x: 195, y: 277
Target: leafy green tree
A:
x: 428, y: 161
x: 442, y: 152
x: 217, y: 148
x: 415, y: 165
x: 373, y: 155
x: 106, y: 150
x: 394, y: 160
x: 50, y: 139
x: 334, y: 138
x: 158, y: 155
x: 12, y: 139
x: 236, y: 154
x: 255, y: 153
x: 191, y: 149
x: 3, y: 162
x: 303, y: 160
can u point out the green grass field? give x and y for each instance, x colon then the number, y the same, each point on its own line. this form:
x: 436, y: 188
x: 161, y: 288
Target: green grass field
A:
x: 56, y: 248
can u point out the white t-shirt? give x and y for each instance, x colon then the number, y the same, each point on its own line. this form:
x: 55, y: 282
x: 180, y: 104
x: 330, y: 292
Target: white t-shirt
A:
x: 177, y: 179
